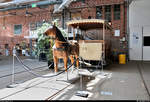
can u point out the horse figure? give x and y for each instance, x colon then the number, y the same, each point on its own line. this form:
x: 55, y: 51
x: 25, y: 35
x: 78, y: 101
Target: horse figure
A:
x: 62, y: 48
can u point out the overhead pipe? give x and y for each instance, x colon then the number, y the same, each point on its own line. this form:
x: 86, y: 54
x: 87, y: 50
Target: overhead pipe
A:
x: 42, y: 3
x: 63, y: 5
x: 15, y: 2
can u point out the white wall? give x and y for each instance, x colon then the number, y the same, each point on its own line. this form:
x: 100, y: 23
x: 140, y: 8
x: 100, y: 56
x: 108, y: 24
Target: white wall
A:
x: 139, y: 16
x: 139, y: 13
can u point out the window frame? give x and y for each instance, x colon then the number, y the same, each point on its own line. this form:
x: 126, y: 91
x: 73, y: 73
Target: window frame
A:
x: 100, y: 10
x: 16, y: 31
x: 108, y: 12
x: 117, y: 11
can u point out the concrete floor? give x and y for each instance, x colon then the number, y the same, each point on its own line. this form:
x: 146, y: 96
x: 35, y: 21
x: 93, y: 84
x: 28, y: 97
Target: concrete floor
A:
x: 6, y: 67
x: 125, y: 84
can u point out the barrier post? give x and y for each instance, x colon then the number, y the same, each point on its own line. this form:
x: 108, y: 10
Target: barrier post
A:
x: 13, y: 85
x: 13, y: 70
x: 81, y: 88
x: 67, y: 76
x: 102, y: 64
x: 81, y: 93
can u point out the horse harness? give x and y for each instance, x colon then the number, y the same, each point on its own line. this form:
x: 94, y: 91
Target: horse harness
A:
x: 63, y: 48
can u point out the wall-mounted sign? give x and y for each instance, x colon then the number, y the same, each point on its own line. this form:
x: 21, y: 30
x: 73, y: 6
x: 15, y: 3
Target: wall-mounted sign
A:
x: 135, y: 38
x: 117, y: 33
x: 34, y: 5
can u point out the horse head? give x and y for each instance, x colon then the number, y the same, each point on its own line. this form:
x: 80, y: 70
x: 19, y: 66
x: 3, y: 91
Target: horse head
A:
x: 51, y: 32
x: 55, y: 33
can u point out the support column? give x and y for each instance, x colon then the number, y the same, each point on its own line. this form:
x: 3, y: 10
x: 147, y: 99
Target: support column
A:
x: 122, y: 19
x: 30, y: 47
x: 73, y: 34
x: 103, y: 12
x: 63, y: 18
x: 104, y: 41
x: 112, y: 13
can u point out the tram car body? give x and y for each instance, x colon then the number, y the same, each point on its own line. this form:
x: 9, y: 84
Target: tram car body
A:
x: 93, y: 51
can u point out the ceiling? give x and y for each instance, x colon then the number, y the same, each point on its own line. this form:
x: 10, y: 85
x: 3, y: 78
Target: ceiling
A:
x: 2, y: 1
x: 7, y: 3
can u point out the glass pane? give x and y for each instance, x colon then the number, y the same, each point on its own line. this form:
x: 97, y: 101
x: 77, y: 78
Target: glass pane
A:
x: 99, y: 12
x: 116, y: 15
x: 33, y: 26
x: 17, y: 29
x: 108, y: 13
x: 116, y: 12
x: 116, y: 7
x: 108, y: 8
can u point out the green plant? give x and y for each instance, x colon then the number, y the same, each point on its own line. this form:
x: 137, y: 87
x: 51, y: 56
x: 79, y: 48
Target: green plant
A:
x: 44, y: 40
x: 23, y: 45
x: 50, y: 55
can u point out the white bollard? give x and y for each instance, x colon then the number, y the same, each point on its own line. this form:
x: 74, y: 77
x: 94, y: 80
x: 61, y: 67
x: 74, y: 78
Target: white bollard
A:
x: 13, y: 70
x: 13, y: 85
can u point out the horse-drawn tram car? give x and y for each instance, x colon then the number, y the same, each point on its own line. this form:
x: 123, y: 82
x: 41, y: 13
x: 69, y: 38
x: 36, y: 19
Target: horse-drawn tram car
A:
x: 95, y: 47
x: 98, y: 49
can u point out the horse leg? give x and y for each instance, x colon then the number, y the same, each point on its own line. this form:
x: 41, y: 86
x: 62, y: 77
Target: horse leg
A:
x: 65, y: 63
x: 72, y: 60
x: 77, y: 61
x: 56, y: 64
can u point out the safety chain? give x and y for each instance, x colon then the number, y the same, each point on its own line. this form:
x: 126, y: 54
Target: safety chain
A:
x: 37, y: 75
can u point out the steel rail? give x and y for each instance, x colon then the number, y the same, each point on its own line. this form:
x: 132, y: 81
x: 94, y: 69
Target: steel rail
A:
x: 142, y: 77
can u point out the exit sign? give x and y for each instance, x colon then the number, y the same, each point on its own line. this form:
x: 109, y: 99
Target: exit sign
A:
x: 34, y: 5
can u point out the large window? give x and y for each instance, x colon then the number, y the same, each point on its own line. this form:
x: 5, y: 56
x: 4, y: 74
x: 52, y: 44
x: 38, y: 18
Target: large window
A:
x: 99, y: 12
x: 79, y: 0
x: 116, y: 12
x: 34, y: 25
x: 18, y: 29
x: 108, y: 13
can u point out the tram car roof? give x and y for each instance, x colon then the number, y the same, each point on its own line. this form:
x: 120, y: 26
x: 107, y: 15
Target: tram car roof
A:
x: 88, y: 24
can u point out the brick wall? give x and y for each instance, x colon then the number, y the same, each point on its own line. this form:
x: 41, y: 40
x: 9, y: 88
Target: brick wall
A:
x: 89, y: 9
x: 7, y: 35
